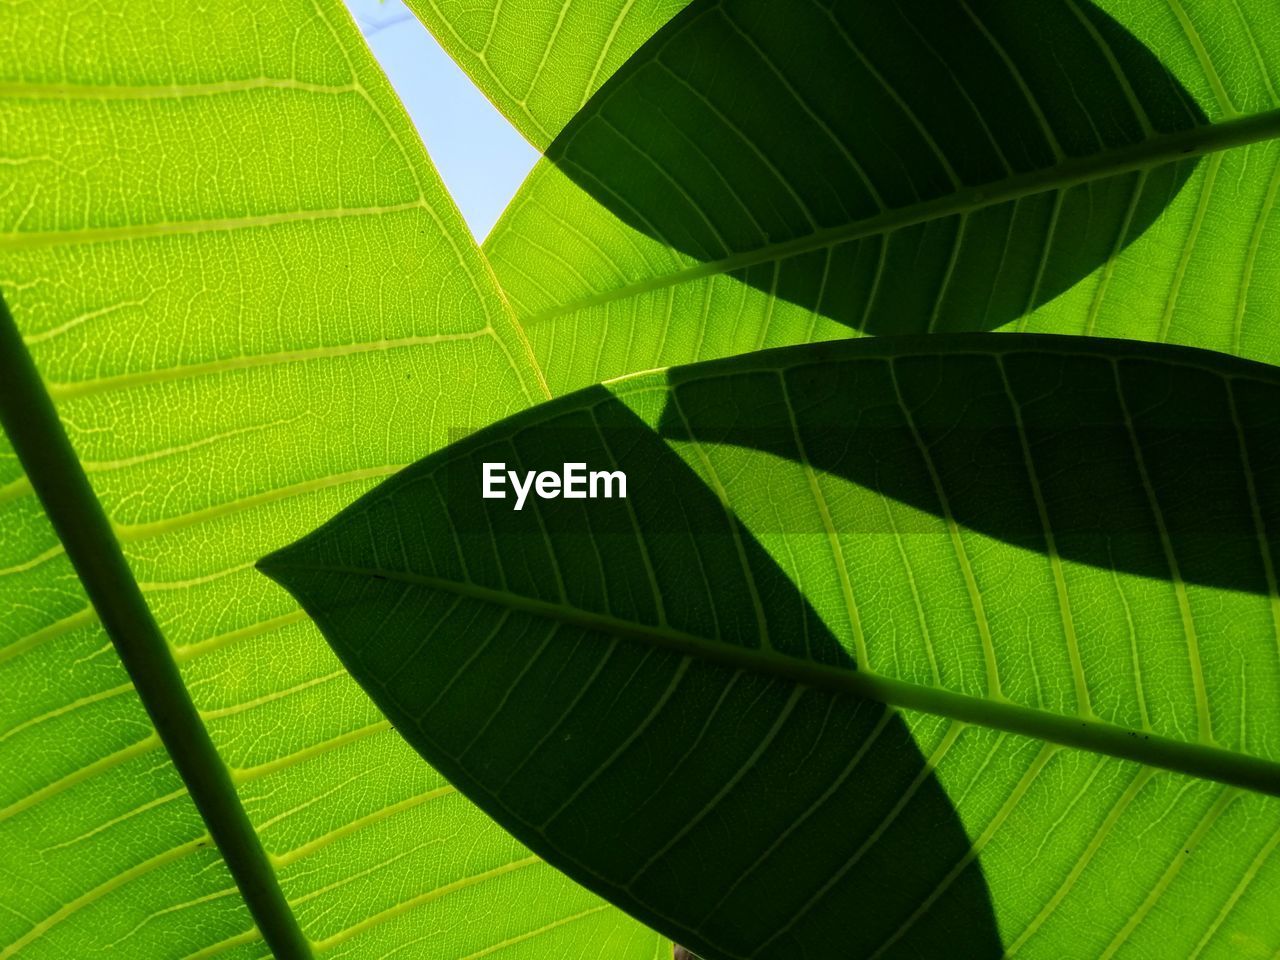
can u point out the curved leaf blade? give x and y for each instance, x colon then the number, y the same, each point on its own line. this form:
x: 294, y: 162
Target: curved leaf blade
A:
x: 539, y: 63
x: 675, y: 696
x: 225, y: 249
x: 769, y: 174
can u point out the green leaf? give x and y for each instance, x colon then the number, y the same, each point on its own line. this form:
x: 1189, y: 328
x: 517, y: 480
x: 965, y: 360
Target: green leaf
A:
x: 250, y: 298
x: 763, y: 174
x: 539, y: 63
x: 780, y: 701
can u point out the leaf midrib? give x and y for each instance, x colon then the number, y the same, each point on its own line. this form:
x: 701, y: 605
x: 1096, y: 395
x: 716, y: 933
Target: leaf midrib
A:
x: 1147, y: 155
x: 1194, y: 759
x: 32, y: 424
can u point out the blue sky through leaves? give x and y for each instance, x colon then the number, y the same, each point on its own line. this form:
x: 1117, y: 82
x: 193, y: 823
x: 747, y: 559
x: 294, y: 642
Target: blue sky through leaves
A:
x: 482, y: 158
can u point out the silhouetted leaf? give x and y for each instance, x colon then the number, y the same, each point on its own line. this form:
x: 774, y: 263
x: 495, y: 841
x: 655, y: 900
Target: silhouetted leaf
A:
x: 766, y: 173
x: 678, y: 697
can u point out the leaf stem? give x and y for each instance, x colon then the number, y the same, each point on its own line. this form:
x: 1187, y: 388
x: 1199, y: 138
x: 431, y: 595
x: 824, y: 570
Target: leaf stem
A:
x: 58, y: 478
x: 1204, y: 760
x: 1160, y: 150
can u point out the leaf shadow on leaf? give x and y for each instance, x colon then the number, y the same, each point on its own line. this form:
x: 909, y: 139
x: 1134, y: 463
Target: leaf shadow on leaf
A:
x: 811, y: 153
x: 736, y: 812
x: 1136, y: 453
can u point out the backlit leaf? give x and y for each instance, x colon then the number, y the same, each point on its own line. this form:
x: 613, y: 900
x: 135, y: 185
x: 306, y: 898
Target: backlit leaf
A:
x: 250, y: 299
x: 764, y: 173
x: 939, y: 646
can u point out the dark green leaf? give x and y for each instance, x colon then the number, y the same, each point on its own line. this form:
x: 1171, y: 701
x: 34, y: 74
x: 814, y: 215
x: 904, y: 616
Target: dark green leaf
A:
x: 765, y: 173
x: 780, y: 702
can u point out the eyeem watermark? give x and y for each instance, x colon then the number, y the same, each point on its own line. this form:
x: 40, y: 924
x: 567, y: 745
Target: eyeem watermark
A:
x: 573, y: 482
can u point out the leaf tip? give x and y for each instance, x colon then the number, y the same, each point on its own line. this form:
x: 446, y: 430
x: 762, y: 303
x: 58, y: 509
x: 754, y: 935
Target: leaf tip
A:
x: 273, y: 564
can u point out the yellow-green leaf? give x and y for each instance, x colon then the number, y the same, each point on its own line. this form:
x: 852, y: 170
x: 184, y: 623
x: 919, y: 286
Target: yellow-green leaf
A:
x: 540, y: 61
x: 250, y: 298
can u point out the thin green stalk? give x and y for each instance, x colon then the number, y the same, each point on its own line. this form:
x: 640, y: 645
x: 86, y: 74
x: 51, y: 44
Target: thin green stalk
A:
x: 1072, y: 172
x: 31, y: 422
x: 1194, y: 759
